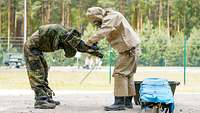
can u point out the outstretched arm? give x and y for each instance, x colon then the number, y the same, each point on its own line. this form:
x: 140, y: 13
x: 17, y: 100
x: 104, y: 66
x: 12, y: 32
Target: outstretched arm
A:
x: 93, y: 50
x: 108, y: 25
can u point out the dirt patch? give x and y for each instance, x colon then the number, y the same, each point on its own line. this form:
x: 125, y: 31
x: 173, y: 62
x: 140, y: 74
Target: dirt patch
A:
x: 85, y: 102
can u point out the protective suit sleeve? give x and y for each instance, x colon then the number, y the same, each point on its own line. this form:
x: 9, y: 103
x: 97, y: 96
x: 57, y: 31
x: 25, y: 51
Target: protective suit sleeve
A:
x: 109, y: 24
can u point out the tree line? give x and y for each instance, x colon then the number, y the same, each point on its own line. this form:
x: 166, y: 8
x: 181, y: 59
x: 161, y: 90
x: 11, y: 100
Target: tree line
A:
x: 161, y: 24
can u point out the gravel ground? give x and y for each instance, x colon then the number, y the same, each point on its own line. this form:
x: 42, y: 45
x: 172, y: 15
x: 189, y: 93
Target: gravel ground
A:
x: 19, y: 101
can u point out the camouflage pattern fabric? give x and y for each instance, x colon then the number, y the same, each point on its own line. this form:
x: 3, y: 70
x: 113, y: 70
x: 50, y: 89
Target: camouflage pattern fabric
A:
x: 47, y: 39
x: 37, y: 70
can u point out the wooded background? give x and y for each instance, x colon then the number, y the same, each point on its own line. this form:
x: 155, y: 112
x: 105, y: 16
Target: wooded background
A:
x: 161, y: 24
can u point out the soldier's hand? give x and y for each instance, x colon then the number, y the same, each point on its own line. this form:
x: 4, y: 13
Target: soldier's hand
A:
x: 82, y: 47
x: 93, y: 50
x: 96, y: 53
x: 94, y: 46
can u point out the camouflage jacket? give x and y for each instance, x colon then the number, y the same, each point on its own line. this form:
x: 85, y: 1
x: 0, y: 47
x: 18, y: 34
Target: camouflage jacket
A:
x: 47, y: 38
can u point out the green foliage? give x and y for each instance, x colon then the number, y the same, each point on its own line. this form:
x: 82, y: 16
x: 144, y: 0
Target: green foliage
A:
x: 153, y: 46
x: 89, y: 31
x: 194, y: 48
x: 1, y: 54
x: 174, y: 52
x: 36, y: 13
x: 157, y: 48
x: 108, y: 3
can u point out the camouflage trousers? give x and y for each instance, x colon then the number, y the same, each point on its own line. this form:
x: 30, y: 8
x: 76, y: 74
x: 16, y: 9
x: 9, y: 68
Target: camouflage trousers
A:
x: 37, y: 70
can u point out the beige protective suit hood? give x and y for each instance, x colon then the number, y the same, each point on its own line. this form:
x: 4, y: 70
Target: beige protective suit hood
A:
x: 95, y: 14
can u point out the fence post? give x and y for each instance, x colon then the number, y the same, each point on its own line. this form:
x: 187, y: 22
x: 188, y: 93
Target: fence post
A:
x: 25, y: 22
x: 185, y: 58
x: 110, y: 64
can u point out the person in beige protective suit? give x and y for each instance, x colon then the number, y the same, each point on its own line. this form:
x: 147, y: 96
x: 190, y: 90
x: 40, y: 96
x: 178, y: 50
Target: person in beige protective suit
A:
x: 119, y: 33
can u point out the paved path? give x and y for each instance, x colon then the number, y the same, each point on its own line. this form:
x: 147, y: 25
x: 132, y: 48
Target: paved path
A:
x: 21, y: 101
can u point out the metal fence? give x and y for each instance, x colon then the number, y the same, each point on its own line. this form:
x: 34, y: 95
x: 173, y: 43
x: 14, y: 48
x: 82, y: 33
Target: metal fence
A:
x: 12, y: 42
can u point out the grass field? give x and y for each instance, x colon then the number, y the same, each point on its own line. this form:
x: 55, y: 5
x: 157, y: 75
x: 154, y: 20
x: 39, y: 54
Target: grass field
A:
x: 98, y: 80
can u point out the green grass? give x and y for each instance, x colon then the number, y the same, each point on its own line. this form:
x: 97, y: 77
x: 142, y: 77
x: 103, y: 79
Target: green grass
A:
x: 18, y: 79
x: 64, y: 80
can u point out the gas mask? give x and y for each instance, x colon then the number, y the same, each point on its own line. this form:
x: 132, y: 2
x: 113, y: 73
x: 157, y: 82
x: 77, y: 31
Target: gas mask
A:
x: 98, y: 23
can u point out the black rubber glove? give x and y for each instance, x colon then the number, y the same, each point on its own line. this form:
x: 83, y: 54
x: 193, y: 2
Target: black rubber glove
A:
x: 82, y: 47
x: 96, y: 53
x: 93, y: 50
x: 94, y: 46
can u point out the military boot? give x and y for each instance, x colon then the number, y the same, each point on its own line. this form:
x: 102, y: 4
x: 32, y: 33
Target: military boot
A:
x: 50, y: 93
x: 50, y: 100
x: 118, y: 105
x: 128, y: 102
x: 42, y: 102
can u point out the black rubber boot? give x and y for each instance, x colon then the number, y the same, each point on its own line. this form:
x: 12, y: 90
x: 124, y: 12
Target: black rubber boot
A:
x: 53, y: 101
x: 42, y: 102
x: 118, y: 105
x: 128, y: 102
x: 50, y: 93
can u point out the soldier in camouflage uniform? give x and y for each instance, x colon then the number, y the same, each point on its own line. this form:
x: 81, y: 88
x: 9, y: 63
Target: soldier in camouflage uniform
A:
x: 48, y: 39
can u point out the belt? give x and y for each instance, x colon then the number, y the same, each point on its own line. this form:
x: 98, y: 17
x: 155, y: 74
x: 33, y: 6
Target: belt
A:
x: 130, y: 51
